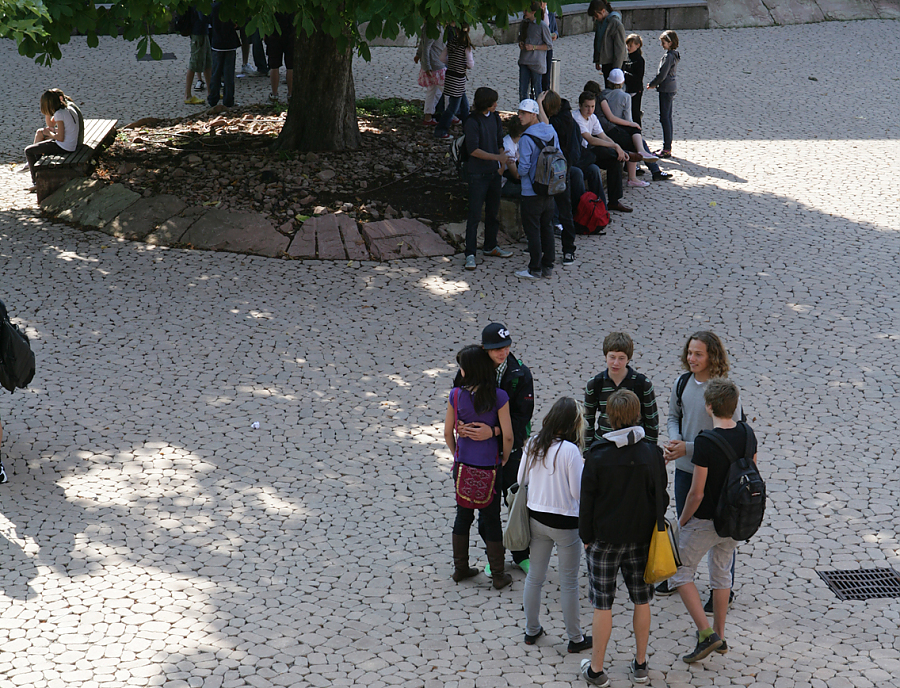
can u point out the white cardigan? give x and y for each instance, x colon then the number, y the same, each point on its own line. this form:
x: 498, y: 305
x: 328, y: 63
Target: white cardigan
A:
x: 554, y: 489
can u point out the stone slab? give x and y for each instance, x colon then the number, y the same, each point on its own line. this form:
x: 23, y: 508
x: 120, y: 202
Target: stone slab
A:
x: 145, y: 215
x: 738, y: 13
x: 354, y: 243
x: 328, y: 235
x: 76, y: 192
x: 169, y: 233
x: 687, y: 17
x: 102, y: 206
x: 303, y: 245
x: 404, y: 238
x: 795, y: 12
x: 239, y: 232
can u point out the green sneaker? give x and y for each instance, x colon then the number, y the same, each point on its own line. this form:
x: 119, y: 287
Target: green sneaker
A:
x: 487, y: 570
x: 525, y: 565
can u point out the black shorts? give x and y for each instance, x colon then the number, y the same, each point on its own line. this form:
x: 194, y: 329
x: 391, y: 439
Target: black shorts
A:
x: 280, y: 46
x: 622, y: 136
x: 605, y: 560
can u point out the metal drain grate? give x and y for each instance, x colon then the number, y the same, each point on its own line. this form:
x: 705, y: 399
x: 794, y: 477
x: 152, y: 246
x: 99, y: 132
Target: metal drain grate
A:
x: 863, y: 584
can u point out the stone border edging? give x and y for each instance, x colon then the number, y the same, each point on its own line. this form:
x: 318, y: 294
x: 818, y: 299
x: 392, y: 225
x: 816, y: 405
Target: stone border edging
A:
x: 166, y: 220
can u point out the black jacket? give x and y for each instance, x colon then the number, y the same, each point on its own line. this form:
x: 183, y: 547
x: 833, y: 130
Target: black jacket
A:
x: 519, y: 385
x: 568, y: 132
x: 618, y: 492
x: 634, y: 72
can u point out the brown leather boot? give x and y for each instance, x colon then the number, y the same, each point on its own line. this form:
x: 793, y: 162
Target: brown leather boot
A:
x: 496, y: 554
x: 461, y: 568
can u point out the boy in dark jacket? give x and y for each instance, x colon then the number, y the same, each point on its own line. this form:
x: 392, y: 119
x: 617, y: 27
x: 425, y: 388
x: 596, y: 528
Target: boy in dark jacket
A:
x: 514, y: 378
x: 623, y: 488
x: 225, y: 42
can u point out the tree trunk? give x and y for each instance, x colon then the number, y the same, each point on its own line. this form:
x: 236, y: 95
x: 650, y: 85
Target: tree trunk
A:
x: 321, y: 115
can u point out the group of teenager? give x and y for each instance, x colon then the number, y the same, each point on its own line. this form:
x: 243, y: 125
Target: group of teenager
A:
x: 595, y: 479
x: 602, y: 133
x: 214, y: 45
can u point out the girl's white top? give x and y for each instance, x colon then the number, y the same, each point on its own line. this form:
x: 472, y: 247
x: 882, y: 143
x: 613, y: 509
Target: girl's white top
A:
x: 554, y: 488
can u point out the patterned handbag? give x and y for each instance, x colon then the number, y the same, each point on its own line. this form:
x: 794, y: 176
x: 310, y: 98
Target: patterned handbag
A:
x: 474, y: 484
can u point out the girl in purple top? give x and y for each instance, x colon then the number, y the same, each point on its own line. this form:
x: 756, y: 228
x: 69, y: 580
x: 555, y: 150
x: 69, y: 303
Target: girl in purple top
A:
x: 478, y: 400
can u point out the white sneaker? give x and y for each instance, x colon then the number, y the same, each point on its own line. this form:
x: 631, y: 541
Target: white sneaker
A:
x: 526, y: 274
x: 247, y: 69
x: 470, y: 262
x: 198, y: 85
x: 23, y: 167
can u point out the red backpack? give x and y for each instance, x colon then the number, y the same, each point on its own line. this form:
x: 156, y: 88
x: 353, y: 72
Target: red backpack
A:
x: 592, y: 215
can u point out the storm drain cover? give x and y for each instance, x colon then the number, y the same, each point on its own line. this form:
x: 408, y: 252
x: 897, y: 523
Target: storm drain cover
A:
x: 863, y: 584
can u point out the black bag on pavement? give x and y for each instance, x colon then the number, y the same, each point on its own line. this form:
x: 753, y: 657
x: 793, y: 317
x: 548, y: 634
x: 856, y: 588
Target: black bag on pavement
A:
x: 16, y: 358
x: 742, y: 502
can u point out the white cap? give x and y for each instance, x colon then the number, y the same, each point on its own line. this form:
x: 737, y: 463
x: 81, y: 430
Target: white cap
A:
x: 530, y: 105
x: 617, y: 76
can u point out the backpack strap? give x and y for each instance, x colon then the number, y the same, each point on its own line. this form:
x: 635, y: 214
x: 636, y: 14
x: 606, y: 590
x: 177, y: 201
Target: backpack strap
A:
x: 679, y: 391
x: 538, y: 141
x: 722, y: 444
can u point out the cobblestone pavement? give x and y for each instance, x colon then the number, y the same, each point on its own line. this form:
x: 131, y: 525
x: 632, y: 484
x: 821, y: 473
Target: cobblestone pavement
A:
x: 151, y: 537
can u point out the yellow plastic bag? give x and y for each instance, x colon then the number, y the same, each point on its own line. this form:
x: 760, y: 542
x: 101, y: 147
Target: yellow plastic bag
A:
x: 661, y: 560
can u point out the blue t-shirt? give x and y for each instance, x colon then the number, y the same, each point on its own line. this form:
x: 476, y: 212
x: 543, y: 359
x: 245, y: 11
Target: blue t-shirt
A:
x: 475, y: 452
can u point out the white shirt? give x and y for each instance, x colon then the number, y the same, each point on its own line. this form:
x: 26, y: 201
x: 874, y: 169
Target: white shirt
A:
x: 588, y: 126
x: 554, y: 488
x: 70, y: 140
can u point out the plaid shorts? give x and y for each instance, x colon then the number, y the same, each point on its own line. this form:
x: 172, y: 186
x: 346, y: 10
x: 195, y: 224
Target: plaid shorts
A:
x: 201, y: 54
x: 604, y: 561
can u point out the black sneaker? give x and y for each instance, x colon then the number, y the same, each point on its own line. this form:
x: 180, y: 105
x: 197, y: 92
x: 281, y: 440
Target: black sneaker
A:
x: 586, y: 643
x: 703, y: 649
x: 546, y: 272
x: 3, y: 478
x: 663, y: 589
x: 568, y: 258
x: 532, y: 639
x: 723, y: 648
x: 708, y: 607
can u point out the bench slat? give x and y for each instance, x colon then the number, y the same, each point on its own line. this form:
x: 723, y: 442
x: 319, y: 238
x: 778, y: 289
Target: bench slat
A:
x: 95, y: 131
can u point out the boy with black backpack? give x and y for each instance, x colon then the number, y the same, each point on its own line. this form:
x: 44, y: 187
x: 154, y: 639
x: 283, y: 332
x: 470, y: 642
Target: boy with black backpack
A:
x: 542, y: 170
x: 715, y: 513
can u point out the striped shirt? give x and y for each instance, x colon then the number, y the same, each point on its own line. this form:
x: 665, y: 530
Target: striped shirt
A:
x: 598, y: 390
x: 455, y: 76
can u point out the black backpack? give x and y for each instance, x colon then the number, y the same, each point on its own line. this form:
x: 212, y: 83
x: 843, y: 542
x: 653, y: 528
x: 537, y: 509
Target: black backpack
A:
x: 459, y: 155
x: 742, y: 502
x: 16, y: 357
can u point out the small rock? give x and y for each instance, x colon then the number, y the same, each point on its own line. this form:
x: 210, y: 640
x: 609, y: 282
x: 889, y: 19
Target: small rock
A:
x: 148, y: 193
x: 311, y: 157
x: 178, y: 173
x: 390, y: 211
x: 125, y: 168
x: 347, y: 207
x: 320, y: 210
x: 194, y: 160
x: 137, y: 139
x: 364, y: 184
x: 325, y: 175
x: 307, y: 200
x: 374, y: 213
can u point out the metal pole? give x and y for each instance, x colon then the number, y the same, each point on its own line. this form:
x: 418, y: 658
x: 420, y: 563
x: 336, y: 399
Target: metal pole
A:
x: 554, y: 75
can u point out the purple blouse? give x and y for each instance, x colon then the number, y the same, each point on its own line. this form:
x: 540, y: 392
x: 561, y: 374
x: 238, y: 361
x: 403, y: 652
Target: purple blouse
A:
x: 473, y: 452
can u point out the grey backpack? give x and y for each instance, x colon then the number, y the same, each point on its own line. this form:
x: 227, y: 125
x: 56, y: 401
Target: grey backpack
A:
x: 550, y: 169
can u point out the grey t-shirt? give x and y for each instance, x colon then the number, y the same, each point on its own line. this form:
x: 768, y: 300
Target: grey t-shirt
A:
x: 536, y: 60
x: 693, y: 417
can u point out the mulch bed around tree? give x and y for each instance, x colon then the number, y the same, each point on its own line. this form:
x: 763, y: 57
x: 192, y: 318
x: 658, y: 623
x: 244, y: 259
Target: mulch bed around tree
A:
x: 223, y: 158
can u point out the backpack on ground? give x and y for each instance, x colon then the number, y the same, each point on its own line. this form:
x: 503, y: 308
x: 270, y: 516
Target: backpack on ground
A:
x: 550, y: 169
x: 16, y: 357
x: 459, y: 155
x: 742, y: 502
x: 592, y: 215
x: 181, y: 23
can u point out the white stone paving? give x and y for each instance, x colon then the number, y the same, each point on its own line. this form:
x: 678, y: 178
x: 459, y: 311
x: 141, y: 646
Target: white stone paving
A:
x: 151, y: 537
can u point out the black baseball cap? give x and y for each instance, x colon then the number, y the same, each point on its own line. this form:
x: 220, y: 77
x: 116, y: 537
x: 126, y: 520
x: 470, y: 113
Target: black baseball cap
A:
x: 495, y: 336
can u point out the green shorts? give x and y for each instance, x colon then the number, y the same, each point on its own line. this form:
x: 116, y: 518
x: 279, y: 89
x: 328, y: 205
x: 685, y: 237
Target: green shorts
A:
x: 201, y: 54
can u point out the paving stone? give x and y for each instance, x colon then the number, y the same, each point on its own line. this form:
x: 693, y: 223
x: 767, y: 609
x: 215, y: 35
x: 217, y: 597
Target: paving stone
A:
x: 143, y: 217
x: 101, y: 207
x: 170, y: 232
x: 76, y: 192
x: 303, y: 245
x: 240, y: 232
x: 403, y: 238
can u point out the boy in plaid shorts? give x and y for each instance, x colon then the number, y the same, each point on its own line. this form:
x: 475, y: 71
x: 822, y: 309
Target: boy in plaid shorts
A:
x: 615, y: 521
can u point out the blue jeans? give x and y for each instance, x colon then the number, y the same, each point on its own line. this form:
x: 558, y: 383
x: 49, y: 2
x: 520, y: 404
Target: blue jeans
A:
x: 568, y: 551
x: 585, y: 179
x: 652, y: 166
x: 665, y: 118
x: 683, y: 481
x: 222, y: 77
x: 528, y: 80
x: 455, y: 105
x: 484, y: 191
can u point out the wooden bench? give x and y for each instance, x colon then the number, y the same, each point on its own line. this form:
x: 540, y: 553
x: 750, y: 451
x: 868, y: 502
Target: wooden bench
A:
x: 54, y: 171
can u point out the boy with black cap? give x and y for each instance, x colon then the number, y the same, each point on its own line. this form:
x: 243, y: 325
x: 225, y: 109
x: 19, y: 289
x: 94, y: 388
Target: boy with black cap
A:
x: 514, y: 378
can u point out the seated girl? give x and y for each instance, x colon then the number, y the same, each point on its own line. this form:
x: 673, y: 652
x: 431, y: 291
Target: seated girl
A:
x: 60, y: 135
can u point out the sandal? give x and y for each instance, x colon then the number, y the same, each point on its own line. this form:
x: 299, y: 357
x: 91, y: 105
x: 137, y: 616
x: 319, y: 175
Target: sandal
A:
x: 663, y: 154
